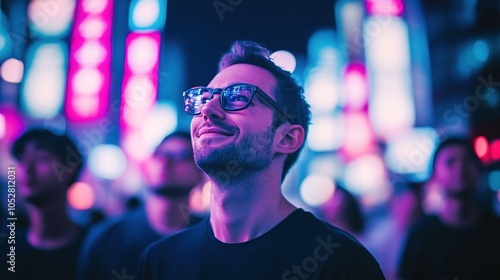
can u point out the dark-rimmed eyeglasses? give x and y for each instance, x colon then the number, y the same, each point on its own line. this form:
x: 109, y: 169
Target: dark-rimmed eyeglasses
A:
x: 232, y: 98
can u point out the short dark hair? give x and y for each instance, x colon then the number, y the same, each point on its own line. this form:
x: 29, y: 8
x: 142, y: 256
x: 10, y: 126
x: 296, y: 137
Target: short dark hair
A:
x: 456, y: 141
x: 59, y: 145
x: 289, y: 94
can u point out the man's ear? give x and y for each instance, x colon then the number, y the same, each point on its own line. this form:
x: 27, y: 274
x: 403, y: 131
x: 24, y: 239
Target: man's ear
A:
x: 290, y: 138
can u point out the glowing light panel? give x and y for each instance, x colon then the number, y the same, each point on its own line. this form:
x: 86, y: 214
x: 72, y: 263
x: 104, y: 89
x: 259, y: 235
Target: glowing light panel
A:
x: 12, y: 70
x: 5, y: 47
x: 373, y: 175
x: 107, y: 161
x: 42, y: 92
x: 91, y: 54
x: 322, y: 47
x: 322, y: 90
x: 94, y: 6
x: 316, y: 189
x: 410, y: 152
x: 356, y: 86
x: 381, y: 34
x: 391, y: 104
x: 3, y: 125
x: 481, y: 147
x: 160, y: 121
x: 385, y: 7
x: 90, y: 61
x: 140, y: 81
x: 495, y: 149
x: 359, y: 138
x: 147, y: 15
x: 326, y: 133
x: 494, y: 180
x: 51, y: 18
x: 481, y: 50
x: 81, y: 196
x: 142, y: 54
x: 285, y: 60
x: 13, y: 124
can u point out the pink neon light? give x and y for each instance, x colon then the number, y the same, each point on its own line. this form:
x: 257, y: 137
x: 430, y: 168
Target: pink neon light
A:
x: 139, y: 88
x: 385, y: 7
x: 495, y: 150
x: 359, y: 136
x: 13, y: 124
x: 81, y: 105
x: 356, y: 86
x: 481, y: 146
x: 81, y: 196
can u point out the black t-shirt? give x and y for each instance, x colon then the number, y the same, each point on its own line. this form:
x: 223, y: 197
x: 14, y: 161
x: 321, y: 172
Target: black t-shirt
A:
x: 36, y: 263
x: 436, y: 251
x: 112, y: 249
x: 299, y: 247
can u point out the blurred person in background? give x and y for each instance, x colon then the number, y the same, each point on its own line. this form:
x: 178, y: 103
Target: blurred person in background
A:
x: 112, y: 248
x: 344, y: 211
x: 385, y: 237
x: 461, y: 241
x: 47, y: 164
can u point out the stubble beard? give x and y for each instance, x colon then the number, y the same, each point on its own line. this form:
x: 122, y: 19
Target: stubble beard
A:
x: 235, y: 162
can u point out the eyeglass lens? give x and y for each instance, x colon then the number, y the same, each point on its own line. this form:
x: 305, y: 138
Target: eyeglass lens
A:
x: 234, y: 97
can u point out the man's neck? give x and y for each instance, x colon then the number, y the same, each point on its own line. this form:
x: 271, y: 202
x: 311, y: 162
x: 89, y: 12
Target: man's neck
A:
x: 50, y: 226
x: 167, y: 215
x: 246, y: 210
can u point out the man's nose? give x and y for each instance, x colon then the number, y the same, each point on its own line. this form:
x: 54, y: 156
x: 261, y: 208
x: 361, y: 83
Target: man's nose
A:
x: 213, y: 109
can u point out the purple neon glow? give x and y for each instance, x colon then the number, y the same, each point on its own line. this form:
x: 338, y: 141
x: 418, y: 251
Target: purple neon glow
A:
x: 88, y: 85
x: 385, y: 7
x: 11, y: 123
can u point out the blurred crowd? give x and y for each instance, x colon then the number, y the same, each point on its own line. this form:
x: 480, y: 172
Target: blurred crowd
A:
x: 409, y: 241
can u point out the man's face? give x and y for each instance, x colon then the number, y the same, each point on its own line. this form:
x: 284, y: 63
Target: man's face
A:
x: 172, y: 167
x: 238, y: 140
x: 455, y: 170
x: 37, y: 173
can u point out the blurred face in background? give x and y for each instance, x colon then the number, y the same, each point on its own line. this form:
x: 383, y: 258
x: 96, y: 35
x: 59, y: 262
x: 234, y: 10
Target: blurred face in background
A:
x: 171, y: 169
x: 41, y: 174
x: 456, y: 171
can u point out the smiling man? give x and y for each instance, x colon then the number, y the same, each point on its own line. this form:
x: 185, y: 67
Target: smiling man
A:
x: 249, y: 125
